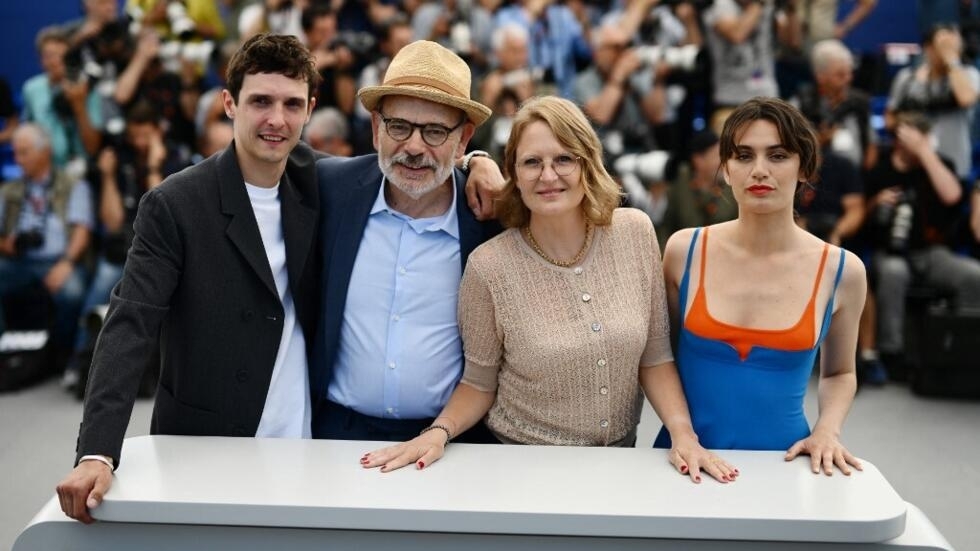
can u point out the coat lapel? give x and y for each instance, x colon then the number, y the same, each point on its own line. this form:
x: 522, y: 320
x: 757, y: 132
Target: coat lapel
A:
x: 353, y: 218
x: 471, y: 230
x: 242, y: 229
x: 300, y: 207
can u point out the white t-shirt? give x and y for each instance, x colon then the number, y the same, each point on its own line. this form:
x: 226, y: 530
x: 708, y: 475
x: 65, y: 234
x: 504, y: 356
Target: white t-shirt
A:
x: 287, y: 412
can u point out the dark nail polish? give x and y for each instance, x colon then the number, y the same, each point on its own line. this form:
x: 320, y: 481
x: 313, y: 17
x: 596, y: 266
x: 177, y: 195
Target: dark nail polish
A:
x: 421, y: 465
x: 683, y: 468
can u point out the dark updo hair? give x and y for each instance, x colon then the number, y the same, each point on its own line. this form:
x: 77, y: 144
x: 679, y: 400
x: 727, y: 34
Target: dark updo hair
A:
x: 796, y: 133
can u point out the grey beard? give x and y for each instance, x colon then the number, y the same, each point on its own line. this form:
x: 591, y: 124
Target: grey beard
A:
x: 440, y: 174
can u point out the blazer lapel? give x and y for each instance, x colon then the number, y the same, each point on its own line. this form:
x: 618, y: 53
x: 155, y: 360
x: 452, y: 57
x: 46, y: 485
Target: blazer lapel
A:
x: 300, y: 208
x: 471, y: 231
x: 242, y: 229
x: 353, y: 216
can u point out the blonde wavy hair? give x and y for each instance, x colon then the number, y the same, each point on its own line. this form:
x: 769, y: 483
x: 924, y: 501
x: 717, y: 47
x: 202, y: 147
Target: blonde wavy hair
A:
x: 574, y: 131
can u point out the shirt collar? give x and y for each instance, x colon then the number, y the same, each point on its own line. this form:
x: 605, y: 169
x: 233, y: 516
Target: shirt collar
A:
x: 447, y: 222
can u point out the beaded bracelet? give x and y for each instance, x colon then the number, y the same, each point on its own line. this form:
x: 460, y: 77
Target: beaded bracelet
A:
x: 449, y: 435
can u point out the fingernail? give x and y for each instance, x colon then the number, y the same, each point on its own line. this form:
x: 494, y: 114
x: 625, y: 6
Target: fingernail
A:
x: 736, y: 471
x: 683, y: 468
x: 697, y: 478
x: 421, y: 465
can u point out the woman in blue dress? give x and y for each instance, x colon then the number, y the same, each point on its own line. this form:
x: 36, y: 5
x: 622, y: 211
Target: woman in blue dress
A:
x: 753, y: 300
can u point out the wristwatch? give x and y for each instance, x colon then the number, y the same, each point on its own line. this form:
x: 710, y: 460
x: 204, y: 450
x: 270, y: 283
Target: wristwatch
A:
x: 465, y: 166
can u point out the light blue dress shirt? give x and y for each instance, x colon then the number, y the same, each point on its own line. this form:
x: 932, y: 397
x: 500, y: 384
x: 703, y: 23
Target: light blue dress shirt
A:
x: 400, y: 354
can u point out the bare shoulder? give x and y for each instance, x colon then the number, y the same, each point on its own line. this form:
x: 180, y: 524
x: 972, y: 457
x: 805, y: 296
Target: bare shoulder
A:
x: 675, y: 253
x: 853, y: 280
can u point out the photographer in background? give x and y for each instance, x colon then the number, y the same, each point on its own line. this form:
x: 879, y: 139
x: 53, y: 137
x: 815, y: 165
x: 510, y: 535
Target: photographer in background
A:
x: 669, y: 32
x: 63, y: 104
x: 180, y: 19
x: 335, y: 61
x: 45, y: 228
x: 124, y: 172
x: 621, y: 94
x: 506, y: 86
x: 913, y: 198
x: 698, y: 195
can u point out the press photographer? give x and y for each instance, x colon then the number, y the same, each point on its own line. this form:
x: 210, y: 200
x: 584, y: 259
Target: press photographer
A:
x: 45, y: 228
x: 63, y: 103
x: 914, y: 205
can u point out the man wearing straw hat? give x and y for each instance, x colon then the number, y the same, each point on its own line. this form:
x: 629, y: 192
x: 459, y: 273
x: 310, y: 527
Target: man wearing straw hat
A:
x: 396, y: 232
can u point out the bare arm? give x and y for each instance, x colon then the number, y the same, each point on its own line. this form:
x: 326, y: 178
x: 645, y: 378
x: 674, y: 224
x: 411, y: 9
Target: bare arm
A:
x: 111, y: 212
x: 861, y: 10
x: 789, y: 26
x: 466, y: 406
x: 603, y: 107
x: 128, y: 82
x: 77, y: 95
x: 943, y: 180
x: 738, y: 29
x: 975, y: 212
x: 850, y: 221
x: 838, y: 382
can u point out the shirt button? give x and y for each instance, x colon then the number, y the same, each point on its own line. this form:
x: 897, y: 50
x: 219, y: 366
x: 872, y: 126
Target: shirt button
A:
x: 402, y: 270
x: 586, y: 297
x: 241, y: 375
x: 578, y: 270
x: 391, y: 365
x: 596, y: 327
x: 396, y: 317
x: 601, y: 362
x: 390, y: 410
x: 247, y: 315
x: 603, y: 423
x: 604, y: 390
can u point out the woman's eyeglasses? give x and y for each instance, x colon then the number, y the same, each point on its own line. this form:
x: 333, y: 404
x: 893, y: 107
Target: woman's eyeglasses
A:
x: 532, y: 167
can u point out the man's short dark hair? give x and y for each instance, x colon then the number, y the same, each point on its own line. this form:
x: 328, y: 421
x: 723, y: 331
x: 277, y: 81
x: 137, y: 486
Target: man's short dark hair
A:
x: 312, y: 13
x: 142, y: 112
x: 272, y: 53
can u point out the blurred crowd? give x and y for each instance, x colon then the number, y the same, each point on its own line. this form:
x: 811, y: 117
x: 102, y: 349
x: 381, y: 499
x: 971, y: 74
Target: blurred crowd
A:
x: 130, y: 93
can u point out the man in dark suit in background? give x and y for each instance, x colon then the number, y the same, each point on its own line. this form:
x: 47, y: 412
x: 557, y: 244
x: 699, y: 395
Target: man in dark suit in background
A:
x: 221, y: 279
x: 395, y: 235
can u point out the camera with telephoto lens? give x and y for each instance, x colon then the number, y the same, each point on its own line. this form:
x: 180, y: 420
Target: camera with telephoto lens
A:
x: 653, y: 166
x: 680, y: 57
x: 28, y: 241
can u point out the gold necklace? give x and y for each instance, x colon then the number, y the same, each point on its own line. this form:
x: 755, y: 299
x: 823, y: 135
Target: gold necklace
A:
x: 562, y: 263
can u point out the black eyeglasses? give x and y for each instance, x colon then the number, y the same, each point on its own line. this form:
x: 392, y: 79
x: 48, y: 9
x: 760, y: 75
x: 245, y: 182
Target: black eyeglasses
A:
x: 432, y: 133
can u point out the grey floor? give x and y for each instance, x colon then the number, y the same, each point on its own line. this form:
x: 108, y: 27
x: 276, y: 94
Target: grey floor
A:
x: 929, y: 449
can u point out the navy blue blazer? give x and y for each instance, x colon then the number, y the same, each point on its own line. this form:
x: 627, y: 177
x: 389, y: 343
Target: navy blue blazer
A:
x: 348, y: 189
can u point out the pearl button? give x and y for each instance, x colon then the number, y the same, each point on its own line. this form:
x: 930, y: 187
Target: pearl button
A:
x: 390, y: 410
x: 596, y: 327
x: 604, y: 391
x: 396, y: 317
x: 601, y: 362
x: 391, y: 365
x: 603, y: 423
x: 586, y: 297
x: 402, y: 271
x: 578, y: 270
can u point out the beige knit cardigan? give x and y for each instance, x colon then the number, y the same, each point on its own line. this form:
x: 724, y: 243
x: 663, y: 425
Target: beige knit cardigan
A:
x: 562, y: 347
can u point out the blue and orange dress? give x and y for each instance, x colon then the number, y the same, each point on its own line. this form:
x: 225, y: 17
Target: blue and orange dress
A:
x: 745, y: 387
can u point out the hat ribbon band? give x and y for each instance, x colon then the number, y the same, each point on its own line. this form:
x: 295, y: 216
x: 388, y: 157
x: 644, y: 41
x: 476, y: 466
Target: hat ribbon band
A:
x: 418, y: 80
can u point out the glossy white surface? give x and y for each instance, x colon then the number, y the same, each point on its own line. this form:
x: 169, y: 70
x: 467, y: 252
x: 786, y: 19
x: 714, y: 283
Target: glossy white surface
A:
x: 497, y: 489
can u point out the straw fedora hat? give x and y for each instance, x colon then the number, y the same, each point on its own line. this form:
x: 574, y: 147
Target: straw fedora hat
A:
x: 426, y: 70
